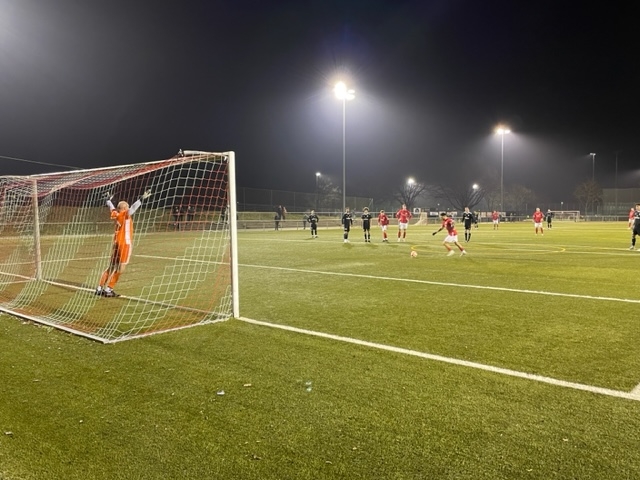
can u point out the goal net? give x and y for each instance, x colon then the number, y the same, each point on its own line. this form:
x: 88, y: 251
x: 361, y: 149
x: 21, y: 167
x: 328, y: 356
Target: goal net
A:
x: 57, y: 238
x: 566, y: 215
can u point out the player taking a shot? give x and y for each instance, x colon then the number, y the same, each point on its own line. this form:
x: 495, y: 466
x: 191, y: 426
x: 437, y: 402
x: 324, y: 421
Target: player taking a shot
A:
x: 452, y: 234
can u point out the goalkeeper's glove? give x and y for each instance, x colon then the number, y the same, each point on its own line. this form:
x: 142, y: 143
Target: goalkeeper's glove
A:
x: 434, y: 233
x: 145, y: 195
x: 107, y: 196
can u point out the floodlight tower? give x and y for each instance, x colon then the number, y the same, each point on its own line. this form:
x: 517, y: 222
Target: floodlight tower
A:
x: 502, y: 131
x: 593, y: 167
x: 343, y: 93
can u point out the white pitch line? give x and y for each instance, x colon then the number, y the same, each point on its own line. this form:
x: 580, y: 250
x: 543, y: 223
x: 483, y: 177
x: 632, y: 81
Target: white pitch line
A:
x: 633, y: 395
x: 449, y: 284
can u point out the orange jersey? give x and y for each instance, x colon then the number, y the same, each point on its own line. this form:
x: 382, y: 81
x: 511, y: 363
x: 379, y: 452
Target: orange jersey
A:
x: 124, y: 227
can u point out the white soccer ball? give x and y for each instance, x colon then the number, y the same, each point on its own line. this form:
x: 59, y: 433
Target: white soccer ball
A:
x: 414, y: 254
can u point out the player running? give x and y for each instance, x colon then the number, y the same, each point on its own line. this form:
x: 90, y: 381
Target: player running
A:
x: 347, y: 221
x: 403, y: 215
x: 313, y: 223
x: 366, y: 224
x: 632, y: 216
x: 538, y: 216
x: 122, y: 243
x: 452, y: 234
x: 469, y: 219
x: 383, y: 222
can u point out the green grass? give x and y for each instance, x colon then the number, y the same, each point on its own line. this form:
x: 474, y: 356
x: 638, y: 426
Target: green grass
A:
x: 323, y: 408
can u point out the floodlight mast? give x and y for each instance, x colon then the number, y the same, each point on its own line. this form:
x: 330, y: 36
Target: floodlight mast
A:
x: 502, y: 131
x: 343, y: 93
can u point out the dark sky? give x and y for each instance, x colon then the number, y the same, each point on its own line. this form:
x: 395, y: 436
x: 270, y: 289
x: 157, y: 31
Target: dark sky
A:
x: 91, y: 83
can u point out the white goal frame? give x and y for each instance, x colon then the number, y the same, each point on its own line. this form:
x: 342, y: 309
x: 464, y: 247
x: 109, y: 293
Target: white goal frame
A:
x: 49, y: 269
x: 566, y: 215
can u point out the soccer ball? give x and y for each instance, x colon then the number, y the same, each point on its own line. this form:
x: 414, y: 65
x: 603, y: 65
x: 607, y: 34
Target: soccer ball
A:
x: 414, y: 254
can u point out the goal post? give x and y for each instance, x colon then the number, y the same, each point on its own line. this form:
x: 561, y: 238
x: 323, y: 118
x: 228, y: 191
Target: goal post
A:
x: 57, y: 237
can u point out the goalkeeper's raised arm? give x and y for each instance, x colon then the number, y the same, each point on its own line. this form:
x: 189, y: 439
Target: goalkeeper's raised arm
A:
x: 138, y: 203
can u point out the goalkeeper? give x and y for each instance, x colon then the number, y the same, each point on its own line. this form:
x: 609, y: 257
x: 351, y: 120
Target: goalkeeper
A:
x: 122, y: 243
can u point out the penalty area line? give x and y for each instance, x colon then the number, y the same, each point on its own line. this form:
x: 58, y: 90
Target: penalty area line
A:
x: 633, y: 395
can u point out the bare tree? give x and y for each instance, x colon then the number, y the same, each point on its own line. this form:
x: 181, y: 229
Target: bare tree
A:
x: 491, y: 189
x: 328, y: 194
x: 520, y: 197
x: 408, y: 192
x: 589, y: 194
x: 460, y: 195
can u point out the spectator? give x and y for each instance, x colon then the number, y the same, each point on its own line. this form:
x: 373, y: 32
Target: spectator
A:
x: 177, y: 214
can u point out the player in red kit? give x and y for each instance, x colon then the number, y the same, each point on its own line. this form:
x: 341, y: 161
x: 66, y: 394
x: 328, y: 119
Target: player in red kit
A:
x: 452, y: 234
x: 403, y: 215
x: 495, y: 216
x: 383, y: 221
x: 538, y: 216
x: 632, y: 215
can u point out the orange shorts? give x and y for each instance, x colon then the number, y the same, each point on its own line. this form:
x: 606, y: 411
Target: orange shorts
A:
x: 120, y: 254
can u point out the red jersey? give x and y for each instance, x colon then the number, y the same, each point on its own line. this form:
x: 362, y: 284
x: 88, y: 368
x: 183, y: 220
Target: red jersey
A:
x: 632, y: 214
x: 495, y: 216
x: 450, y: 225
x: 403, y: 215
x: 383, y: 219
x: 538, y: 216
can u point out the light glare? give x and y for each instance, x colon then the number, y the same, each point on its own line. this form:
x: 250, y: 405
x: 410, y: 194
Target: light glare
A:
x: 342, y: 92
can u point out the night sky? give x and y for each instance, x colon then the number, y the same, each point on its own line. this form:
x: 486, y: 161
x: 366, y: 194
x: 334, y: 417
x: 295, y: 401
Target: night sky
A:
x: 86, y: 83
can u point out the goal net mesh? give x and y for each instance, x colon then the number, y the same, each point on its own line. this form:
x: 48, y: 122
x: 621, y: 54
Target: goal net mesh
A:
x: 56, y: 239
x: 566, y: 215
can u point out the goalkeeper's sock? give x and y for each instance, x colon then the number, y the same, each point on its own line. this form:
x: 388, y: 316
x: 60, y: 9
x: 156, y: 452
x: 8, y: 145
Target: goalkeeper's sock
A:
x: 104, y: 277
x: 114, y: 280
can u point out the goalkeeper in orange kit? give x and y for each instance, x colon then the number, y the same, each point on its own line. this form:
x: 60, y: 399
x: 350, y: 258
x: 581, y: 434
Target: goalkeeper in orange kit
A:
x: 122, y: 243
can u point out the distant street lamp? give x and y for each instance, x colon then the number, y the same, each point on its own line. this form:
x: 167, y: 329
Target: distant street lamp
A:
x: 502, y: 131
x: 593, y: 167
x: 410, y: 181
x: 475, y: 187
x: 343, y: 93
x: 318, y: 175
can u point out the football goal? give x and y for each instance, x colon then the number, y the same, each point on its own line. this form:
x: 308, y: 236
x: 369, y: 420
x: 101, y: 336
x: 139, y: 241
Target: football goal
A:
x: 60, y: 232
x: 566, y: 215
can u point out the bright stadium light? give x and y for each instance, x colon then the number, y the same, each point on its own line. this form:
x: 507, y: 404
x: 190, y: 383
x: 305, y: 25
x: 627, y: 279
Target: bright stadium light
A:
x: 343, y: 93
x: 410, y: 181
x: 502, y: 131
